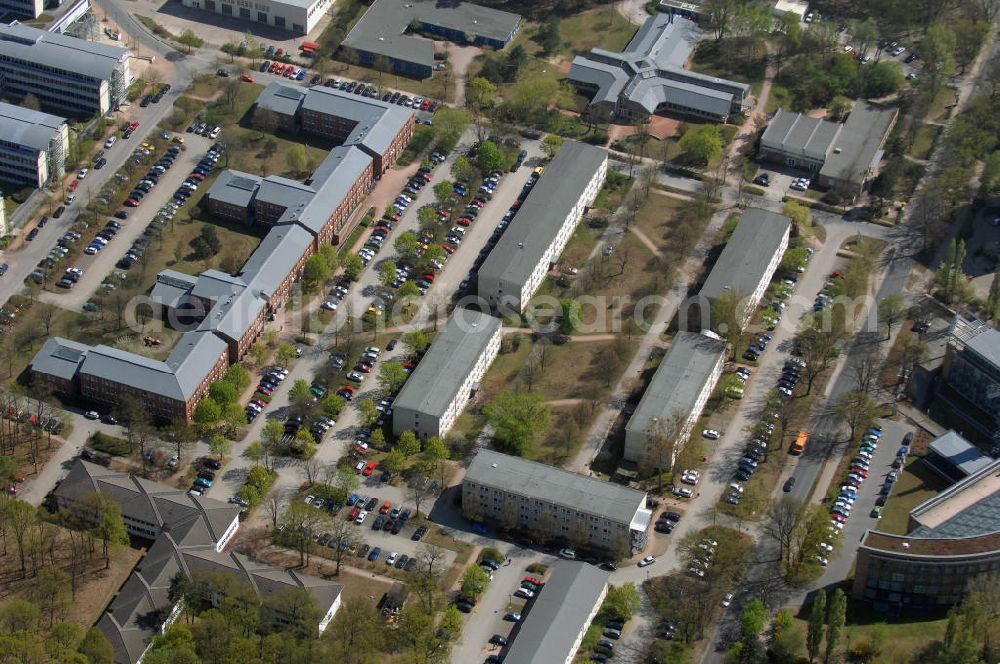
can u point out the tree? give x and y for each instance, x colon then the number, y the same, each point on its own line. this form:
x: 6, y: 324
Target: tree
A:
x: 883, y: 78
x: 729, y: 317
x: 481, y: 93
x: 891, y: 309
x: 418, y: 488
x: 799, y: 214
x: 51, y: 592
x: 548, y: 35
x: 407, y: 244
x: 950, y: 277
x: 408, y: 444
x: 394, y: 461
x: 391, y: 376
x: 784, y: 519
x: 207, y: 412
x: 702, y: 145
x: 551, y: 144
x: 937, y: 51
x: 286, y: 353
x: 442, y: 192
x: 387, y: 274
x: 517, y: 418
x: 569, y: 316
x: 315, y: 273
x: 108, y: 524
x: 818, y: 350
x: 795, y: 258
x: 219, y: 446
x: 490, y: 157
x: 836, y: 618
x: 622, y: 601
x: 190, y: 40
x: 817, y: 617
x: 296, y: 158
x: 416, y: 341
x: 30, y: 101
x: 474, y: 581
x: 238, y: 376
x: 353, y: 266
x: 223, y: 392
x: 366, y: 407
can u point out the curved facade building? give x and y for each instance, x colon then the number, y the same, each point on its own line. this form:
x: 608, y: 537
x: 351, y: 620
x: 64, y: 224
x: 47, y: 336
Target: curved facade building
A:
x: 954, y: 538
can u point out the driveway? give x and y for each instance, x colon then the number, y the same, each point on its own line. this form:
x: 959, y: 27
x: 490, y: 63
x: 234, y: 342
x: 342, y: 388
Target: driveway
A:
x: 97, y: 267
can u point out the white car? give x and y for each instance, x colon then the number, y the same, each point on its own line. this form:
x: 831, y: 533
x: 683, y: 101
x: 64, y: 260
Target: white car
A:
x: 683, y: 492
x: 82, y: 174
x: 697, y: 572
x: 524, y: 593
x: 391, y: 560
x: 711, y: 434
x: 848, y: 49
x: 648, y: 560
x: 361, y: 517
x: 568, y: 554
x: 309, y: 500
x: 736, y: 486
x: 329, y: 305
x: 826, y: 546
x: 727, y: 599
x: 689, y: 477
x: 822, y: 561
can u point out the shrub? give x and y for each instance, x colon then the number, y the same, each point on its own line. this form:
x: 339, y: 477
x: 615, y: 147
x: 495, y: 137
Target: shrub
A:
x: 259, y: 482
x: 491, y: 553
x: 537, y: 568
x: 112, y: 445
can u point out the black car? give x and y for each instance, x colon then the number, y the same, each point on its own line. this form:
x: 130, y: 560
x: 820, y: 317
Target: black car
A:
x: 419, y: 533
x: 371, y: 504
x: 789, y: 485
x: 498, y: 640
x: 763, y: 180
x: 59, y: 211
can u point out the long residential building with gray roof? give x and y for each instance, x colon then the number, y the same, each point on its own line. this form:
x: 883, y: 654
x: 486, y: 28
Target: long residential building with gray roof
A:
x: 542, y: 226
x: 560, y: 615
x: 189, y: 535
x: 530, y: 497
x: 747, y: 263
x: 434, y: 396
x: 33, y: 146
x: 384, y: 37
x: 674, y: 399
x: 67, y: 75
x: 650, y: 77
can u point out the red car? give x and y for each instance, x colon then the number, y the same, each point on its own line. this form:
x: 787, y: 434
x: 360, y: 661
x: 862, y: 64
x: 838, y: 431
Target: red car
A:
x: 133, y: 125
x: 131, y: 203
x: 247, y: 77
x: 363, y: 368
x: 73, y: 185
x: 197, y: 176
x: 275, y: 67
x: 531, y: 579
x: 354, y: 513
x: 859, y: 471
x: 386, y: 507
x: 265, y: 390
x: 463, y: 221
x: 836, y: 516
x: 369, y: 469
x: 447, y: 247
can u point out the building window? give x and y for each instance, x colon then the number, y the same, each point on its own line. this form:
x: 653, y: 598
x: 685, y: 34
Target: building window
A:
x: 262, y: 17
x: 244, y: 12
x: 279, y: 21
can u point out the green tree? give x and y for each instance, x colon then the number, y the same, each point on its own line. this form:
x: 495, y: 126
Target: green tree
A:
x: 569, y: 316
x: 299, y: 396
x: 481, y: 93
x: 219, y: 446
x: 517, y: 418
x: 950, y: 277
x: 702, y: 145
x: 394, y: 461
x: 409, y: 291
x: 435, y: 449
x: 368, y: 412
x: 332, y: 405
x: 315, y: 273
x: 208, y: 412
x: 286, y: 353
x: 442, y: 192
x: 223, y: 392
x: 329, y: 256
x: 858, y: 409
x: 754, y: 617
x: 234, y: 416
x: 548, y: 35
x: 190, y: 40
x: 490, y: 157
x: 937, y: 50
x: 408, y: 444
x: 108, y: 523
x: 795, y: 258
x: 97, y: 648
x: 450, y: 123
x: 835, y: 621
x: 474, y: 581
x: 883, y: 78
x: 387, y: 274
x: 891, y: 310
x: 407, y: 244
x: 391, y: 376
x: 622, y: 601
x: 817, y: 618
x: 729, y: 317
x: 416, y: 341
x: 296, y: 158
x: 353, y: 266
x: 799, y: 214
x: 551, y: 144
x: 238, y: 376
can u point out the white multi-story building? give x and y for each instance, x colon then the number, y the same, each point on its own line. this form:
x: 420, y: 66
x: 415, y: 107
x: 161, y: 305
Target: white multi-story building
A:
x: 749, y: 260
x: 679, y: 388
x: 298, y: 16
x: 73, y: 76
x: 436, y: 393
x: 549, y: 503
x: 542, y: 226
x: 33, y: 146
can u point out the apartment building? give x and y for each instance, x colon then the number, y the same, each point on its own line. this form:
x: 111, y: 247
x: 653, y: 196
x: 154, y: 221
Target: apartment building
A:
x: 560, y: 615
x: 953, y: 539
x: 650, y: 77
x: 70, y: 76
x: 747, y: 263
x: 555, y: 505
x: 389, y: 35
x: 33, y: 146
x: 295, y: 16
x: 676, y: 395
x: 440, y: 386
x: 189, y: 535
x: 531, y: 245
x: 969, y: 387
x: 169, y: 389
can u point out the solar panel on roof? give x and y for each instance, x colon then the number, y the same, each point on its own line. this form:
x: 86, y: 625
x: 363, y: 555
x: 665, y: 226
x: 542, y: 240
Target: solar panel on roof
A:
x: 243, y: 183
x: 64, y: 353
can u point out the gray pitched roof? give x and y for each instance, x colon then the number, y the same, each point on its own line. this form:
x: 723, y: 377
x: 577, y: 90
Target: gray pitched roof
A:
x: 449, y: 360
x: 651, y: 70
x: 541, y: 216
x: 555, y: 485
x: 132, y: 369
x: 283, y: 192
x: 215, y: 285
x: 799, y: 135
x: 234, y: 187
x: 195, y: 353
x: 378, y: 122
x: 232, y: 316
x: 332, y: 181
x: 747, y: 253
x: 381, y: 30
x: 678, y: 380
x: 23, y: 126
x: 559, y: 614
x: 60, y: 52
x: 281, y: 99
x: 275, y: 258
x: 172, y: 288
x: 857, y: 148
x: 59, y: 357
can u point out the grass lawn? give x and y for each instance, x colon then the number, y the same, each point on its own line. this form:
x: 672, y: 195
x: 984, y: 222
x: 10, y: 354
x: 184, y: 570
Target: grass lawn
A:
x: 780, y: 97
x: 253, y: 156
x: 9, y: 206
x: 916, y: 484
x: 603, y: 27
x: 940, y: 107
x: 714, y: 61
x: 655, y: 217
x: 923, y: 141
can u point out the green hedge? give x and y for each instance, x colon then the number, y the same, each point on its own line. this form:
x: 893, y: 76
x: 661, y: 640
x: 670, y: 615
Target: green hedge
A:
x: 112, y: 445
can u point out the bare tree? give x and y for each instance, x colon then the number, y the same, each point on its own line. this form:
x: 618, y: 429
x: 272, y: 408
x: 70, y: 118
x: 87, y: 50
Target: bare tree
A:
x: 312, y: 468
x: 784, y: 518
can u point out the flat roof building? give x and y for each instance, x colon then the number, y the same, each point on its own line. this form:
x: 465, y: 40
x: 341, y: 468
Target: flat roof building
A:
x: 953, y: 539
x: 845, y: 156
x: 555, y: 505
x: 189, y: 536
x: 526, y: 251
x: 560, y: 615
x: 437, y: 391
x: 384, y: 38
x: 678, y: 391
x: 953, y: 457
x: 748, y: 261
x: 67, y: 75
x: 970, y: 380
x: 649, y: 76
x: 33, y: 146
x: 296, y: 16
